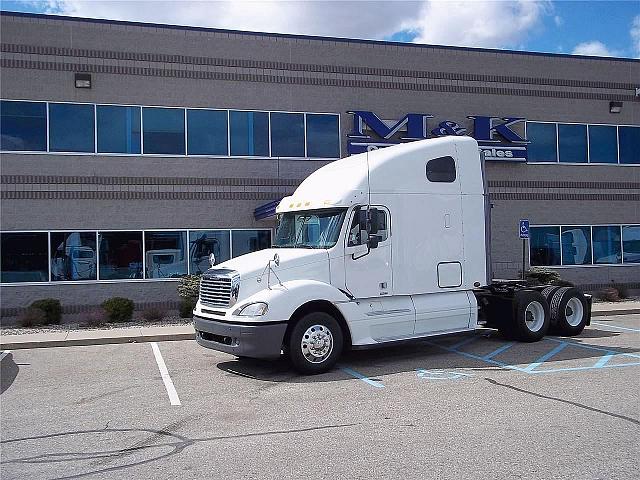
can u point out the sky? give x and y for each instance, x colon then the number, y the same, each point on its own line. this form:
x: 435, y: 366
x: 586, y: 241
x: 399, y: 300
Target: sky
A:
x: 602, y: 28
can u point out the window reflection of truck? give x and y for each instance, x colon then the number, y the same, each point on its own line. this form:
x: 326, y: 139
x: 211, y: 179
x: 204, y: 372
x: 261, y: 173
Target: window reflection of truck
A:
x: 73, y: 261
x: 164, y: 257
x: 199, y: 251
x: 381, y: 247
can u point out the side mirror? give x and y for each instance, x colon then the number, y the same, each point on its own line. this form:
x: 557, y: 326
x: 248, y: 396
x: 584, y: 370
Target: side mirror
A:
x: 373, y: 222
x: 362, y: 219
x: 373, y: 241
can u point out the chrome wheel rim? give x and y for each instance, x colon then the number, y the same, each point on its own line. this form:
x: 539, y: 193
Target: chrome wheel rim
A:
x: 574, y: 311
x: 317, y: 344
x: 534, y: 316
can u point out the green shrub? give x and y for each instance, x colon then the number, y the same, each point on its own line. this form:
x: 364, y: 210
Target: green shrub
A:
x: 51, y: 308
x: 153, y: 314
x: 189, y: 286
x: 541, y: 276
x: 186, y: 307
x: 118, y: 309
x: 563, y: 283
x: 32, y: 317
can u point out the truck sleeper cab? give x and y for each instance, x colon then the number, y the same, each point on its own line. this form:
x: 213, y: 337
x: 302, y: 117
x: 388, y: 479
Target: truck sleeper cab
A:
x: 385, y: 246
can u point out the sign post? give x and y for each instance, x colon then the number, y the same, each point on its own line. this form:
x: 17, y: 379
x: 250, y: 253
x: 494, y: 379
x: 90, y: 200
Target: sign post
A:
x: 523, y: 230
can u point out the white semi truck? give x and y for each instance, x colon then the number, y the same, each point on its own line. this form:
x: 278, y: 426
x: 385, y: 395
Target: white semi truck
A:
x: 386, y: 246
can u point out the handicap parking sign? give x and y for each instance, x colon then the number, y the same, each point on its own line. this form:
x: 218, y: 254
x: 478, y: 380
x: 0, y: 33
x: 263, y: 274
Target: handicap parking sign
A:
x: 524, y: 228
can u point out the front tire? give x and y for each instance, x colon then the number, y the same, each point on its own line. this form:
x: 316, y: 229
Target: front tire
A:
x: 531, y: 316
x: 315, y: 343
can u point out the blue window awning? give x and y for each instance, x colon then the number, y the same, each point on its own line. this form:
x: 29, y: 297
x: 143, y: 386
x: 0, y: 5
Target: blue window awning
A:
x: 267, y: 210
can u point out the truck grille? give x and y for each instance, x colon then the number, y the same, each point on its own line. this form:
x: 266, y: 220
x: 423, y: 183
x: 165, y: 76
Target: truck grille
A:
x: 218, y: 290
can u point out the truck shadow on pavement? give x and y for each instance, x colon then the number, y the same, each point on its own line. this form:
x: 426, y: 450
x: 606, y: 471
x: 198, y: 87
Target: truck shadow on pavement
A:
x: 8, y: 372
x: 478, y: 353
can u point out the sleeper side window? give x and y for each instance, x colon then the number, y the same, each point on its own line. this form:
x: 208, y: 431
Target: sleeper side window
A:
x: 358, y: 234
x: 441, y: 169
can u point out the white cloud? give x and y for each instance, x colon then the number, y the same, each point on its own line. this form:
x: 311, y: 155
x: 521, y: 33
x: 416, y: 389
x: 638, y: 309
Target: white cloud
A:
x: 635, y: 35
x: 479, y: 23
x: 371, y: 20
x: 593, y: 48
x: 558, y: 20
x: 476, y: 23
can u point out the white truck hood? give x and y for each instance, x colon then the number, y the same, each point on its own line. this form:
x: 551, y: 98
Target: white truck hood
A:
x: 295, y: 264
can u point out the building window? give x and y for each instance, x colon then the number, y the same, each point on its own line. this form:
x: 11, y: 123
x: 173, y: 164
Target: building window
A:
x: 603, y: 144
x: 163, y: 130
x: 24, y: 257
x: 202, y: 243
x: 441, y: 170
x: 71, y: 128
x: 118, y: 129
x: 607, y: 247
x: 73, y: 256
x: 323, y: 136
x: 120, y: 255
x: 246, y: 241
x: 164, y: 254
x: 631, y: 243
x: 576, y: 245
x: 629, y: 138
x: 287, y: 135
x: 572, y: 143
x: 249, y: 133
x: 543, y: 138
x: 23, y: 126
x: 544, y: 244
x: 207, y: 132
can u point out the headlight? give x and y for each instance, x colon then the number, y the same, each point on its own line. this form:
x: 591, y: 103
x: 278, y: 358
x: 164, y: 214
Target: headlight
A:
x: 256, y: 309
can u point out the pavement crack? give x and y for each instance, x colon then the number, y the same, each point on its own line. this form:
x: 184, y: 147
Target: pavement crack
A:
x: 568, y: 402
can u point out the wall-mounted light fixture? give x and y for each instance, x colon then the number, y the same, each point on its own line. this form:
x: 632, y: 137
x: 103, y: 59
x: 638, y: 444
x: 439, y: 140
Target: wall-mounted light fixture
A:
x: 83, y: 80
x: 615, y: 107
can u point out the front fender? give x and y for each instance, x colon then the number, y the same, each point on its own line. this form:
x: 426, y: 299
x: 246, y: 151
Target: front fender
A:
x: 284, y: 299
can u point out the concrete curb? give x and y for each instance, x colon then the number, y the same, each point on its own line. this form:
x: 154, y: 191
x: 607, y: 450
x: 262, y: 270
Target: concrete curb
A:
x: 609, y: 313
x: 6, y: 343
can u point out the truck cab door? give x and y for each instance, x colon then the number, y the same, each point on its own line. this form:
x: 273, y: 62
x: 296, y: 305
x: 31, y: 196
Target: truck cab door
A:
x: 368, y: 272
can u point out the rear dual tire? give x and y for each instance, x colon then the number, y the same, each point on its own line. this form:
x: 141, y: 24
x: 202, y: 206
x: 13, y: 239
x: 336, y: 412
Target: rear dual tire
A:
x: 569, y: 310
x: 530, y: 317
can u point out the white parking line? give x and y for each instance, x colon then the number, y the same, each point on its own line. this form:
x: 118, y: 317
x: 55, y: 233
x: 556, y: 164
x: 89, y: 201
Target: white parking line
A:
x: 171, y: 390
x: 4, y: 354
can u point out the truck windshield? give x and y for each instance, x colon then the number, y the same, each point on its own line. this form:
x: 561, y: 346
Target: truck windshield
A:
x: 309, y: 229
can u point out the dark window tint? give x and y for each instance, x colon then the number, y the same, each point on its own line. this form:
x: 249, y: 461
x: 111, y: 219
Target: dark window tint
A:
x: 203, y: 243
x: 606, y: 245
x: 120, y: 255
x: 631, y: 243
x: 287, y: 135
x: 71, y: 127
x: 576, y: 245
x: 24, y: 257
x: 165, y: 254
x: 163, y: 130
x: 23, y: 126
x: 543, y: 146
x: 442, y: 169
x: 572, y: 142
x: 73, y: 256
x: 544, y: 246
x: 207, y: 132
x: 246, y: 241
x: 323, y: 137
x: 118, y: 129
x: 249, y: 133
x: 629, y: 144
x: 603, y: 144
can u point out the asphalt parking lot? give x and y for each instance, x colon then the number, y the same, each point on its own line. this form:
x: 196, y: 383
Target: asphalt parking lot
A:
x: 456, y: 407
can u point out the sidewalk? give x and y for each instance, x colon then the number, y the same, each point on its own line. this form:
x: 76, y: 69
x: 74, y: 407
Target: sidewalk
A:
x: 186, y: 332
x: 97, y: 337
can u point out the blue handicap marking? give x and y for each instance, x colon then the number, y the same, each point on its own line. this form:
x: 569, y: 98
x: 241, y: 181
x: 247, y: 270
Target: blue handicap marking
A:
x: 440, y: 374
x: 524, y: 228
